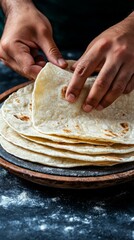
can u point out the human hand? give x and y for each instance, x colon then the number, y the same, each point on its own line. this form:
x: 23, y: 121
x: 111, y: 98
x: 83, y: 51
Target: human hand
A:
x: 26, y: 31
x: 113, y: 51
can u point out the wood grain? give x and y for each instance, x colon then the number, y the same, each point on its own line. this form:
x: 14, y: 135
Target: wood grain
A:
x: 68, y: 182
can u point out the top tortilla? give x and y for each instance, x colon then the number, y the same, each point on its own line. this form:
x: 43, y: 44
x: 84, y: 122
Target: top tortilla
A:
x: 52, y: 114
x: 17, y: 112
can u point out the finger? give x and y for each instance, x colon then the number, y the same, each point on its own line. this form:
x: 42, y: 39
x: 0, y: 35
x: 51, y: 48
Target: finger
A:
x: 25, y: 61
x: 116, y: 89
x: 130, y: 86
x: 7, y: 60
x: 101, y: 84
x: 51, y: 51
x: 74, y: 65
x: 27, y: 65
x: 21, y: 60
x: 85, y: 67
x: 98, y: 68
x: 3, y: 55
x: 103, y: 44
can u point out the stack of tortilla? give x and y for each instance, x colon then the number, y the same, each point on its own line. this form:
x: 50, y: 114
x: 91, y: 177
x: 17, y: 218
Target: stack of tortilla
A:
x: 37, y: 124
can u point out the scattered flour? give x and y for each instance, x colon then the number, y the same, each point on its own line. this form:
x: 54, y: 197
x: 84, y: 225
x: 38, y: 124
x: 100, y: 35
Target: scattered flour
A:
x: 43, y: 227
x: 74, y: 219
x: 69, y: 228
x: 3, y: 172
x: 55, y: 199
x: 98, y: 209
x: 20, y: 200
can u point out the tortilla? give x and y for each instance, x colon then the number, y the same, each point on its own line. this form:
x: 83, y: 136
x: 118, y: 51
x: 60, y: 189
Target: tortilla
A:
x: 17, y: 112
x: 62, y: 137
x: 84, y: 148
x: 11, y: 136
x: 52, y: 161
x: 24, y: 154
x: 52, y: 114
x: 7, y: 132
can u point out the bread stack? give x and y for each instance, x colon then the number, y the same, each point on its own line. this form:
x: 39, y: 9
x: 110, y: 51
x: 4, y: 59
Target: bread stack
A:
x: 37, y: 124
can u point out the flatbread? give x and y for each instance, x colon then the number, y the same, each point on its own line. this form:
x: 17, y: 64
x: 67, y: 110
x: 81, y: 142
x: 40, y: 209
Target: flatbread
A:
x: 25, y: 154
x: 11, y: 136
x: 83, y: 148
x: 32, y: 156
x: 17, y: 112
x: 78, y: 143
x: 52, y: 114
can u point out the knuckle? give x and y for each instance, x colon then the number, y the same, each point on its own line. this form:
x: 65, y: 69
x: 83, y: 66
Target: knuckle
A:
x: 25, y: 70
x: 5, y: 44
x: 120, y: 51
x: 54, y: 51
x: 92, y: 101
x: 45, y: 31
x: 104, y: 44
x: 102, y: 83
x: 75, y: 89
x: 117, y: 89
x: 106, y: 102
x: 81, y: 70
x: 113, y: 69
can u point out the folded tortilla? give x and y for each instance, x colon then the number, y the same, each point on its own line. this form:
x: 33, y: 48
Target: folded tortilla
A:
x: 52, y: 114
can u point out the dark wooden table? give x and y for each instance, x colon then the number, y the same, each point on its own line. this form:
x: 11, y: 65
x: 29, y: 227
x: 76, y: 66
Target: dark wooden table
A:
x: 32, y: 212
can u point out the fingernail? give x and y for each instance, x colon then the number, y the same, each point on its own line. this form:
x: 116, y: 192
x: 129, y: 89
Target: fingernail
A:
x: 87, y: 108
x: 61, y: 61
x: 71, y: 97
x: 99, y: 107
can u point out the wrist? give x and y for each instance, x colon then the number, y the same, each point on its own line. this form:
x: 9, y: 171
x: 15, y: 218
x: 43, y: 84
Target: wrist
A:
x: 131, y: 14
x: 10, y: 6
x: 130, y: 18
x: 128, y: 23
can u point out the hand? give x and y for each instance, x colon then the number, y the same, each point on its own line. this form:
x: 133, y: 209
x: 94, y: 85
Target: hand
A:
x: 113, y: 51
x: 26, y: 31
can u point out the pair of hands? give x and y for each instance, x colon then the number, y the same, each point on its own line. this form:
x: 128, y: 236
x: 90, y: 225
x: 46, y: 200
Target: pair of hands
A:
x: 27, y: 30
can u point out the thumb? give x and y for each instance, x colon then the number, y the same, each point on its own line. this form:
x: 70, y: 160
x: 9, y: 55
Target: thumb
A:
x: 21, y: 61
x: 52, y: 52
x: 26, y: 64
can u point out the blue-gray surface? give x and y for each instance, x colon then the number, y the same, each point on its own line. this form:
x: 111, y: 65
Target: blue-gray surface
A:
x: 31, y: 212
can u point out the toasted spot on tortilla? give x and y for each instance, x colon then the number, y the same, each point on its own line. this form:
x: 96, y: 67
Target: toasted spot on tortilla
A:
x: 63, y: 91
x: 66, y: 130
x: 124, y: 125
x: 22, y: 117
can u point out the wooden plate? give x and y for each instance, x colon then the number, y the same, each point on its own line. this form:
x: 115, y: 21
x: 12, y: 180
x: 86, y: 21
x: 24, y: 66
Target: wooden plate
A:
x: 78, y: 178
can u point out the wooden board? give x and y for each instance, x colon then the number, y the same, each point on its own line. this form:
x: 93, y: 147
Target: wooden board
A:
x: 77, y: 178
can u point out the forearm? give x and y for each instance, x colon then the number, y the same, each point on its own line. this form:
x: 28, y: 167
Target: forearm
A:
x: 9, y: 5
